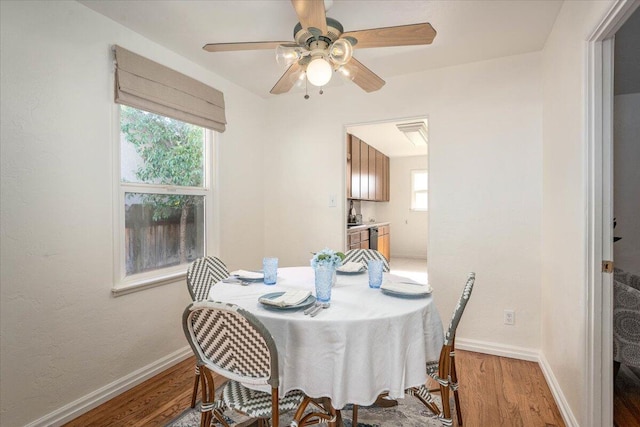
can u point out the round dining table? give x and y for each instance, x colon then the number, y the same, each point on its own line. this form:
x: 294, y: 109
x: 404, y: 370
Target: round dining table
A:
x: 366, y: 343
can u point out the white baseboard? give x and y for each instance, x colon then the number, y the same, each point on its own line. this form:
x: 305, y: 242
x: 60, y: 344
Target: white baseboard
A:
x: 496, y: 349
x: 409, y: 256
x: 528, y: 354
x: 103, y: 394
x: 558, y: 395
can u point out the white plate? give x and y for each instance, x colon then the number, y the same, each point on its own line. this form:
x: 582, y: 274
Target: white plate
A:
x: 406, y: 289
x: 250, y: 279
x: 306, y: 303
x: 343, y: 270
x: 362, y: 270
x: 250, y: 276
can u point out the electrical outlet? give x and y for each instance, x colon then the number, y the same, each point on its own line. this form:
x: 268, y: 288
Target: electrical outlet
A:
x: 509, y: 317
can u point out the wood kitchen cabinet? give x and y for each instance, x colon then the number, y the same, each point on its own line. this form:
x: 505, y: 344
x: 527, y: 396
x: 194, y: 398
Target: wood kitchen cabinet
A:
x: 379, y: 166
x: 384, y: 241
x: 385, y: 179
x: 364, y: 170
x: 367, y: 172
x: 353, y: 168
x: 358, y: 239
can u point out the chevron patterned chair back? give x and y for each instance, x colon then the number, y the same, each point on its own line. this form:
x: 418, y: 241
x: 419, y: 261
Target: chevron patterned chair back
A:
x: 364, y: 255
x: 201, y: 275
x: 233, y: 343
x: 444, y: 370
x: 204, y: 273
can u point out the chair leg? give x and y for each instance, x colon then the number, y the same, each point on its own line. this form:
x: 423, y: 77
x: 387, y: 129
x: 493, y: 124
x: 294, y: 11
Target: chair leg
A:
x: 354, y: 419
x: 458, y: 410
x: 454, y: 380
x: 205, y: 419
x: 195, y: 388
x: 383, y: 402
x: 446, y: 407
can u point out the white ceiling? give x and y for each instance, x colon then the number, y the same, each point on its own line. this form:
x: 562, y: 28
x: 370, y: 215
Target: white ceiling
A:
x: 467, y: 31
x: 387, y: 139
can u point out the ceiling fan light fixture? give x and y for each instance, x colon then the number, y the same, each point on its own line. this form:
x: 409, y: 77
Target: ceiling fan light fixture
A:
x: 287, y: 55
x: 416, y: 132
x: 341, y: 51
x: 319, y: 72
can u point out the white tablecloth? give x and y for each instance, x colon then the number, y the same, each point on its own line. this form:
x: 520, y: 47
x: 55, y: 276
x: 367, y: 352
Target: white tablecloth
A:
x: 366, y: 343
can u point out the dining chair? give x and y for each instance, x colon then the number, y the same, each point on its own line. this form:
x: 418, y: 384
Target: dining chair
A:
x: 232, y: 342
x: 444, y: 371
x: 201, y: 275
x: 364, y: 255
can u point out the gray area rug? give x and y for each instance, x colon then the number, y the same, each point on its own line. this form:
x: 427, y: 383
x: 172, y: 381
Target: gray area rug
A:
x: 409, y: 413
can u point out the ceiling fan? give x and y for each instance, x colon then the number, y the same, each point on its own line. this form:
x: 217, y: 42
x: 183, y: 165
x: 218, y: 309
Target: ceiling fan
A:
x: 321, y: 47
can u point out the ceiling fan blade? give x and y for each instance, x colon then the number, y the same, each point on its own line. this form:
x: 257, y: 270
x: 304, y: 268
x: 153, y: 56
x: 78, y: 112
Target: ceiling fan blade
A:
x: 288, y: 79
x: 403, y: 35
x: 362, y: 76
x: 311, y: 13
x: 231, y: 47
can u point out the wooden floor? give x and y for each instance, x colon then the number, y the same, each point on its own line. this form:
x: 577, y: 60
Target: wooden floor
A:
x: 494, y: 391
x: 497, y: 391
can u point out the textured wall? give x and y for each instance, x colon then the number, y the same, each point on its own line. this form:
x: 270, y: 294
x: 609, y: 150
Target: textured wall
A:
x: 564, y: 199
x: 485, y: 182
x: 62, y: 333
x: 408, y: 228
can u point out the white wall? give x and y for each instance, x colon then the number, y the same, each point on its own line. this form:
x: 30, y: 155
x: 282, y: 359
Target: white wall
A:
x: 627, y: 181
x: 485, y: 182
x: 62, y: 333
x: 408, y: 228
x: 564, y: 199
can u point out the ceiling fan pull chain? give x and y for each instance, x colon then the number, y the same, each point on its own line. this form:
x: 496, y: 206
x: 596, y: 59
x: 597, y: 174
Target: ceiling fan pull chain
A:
x: 306, y: 88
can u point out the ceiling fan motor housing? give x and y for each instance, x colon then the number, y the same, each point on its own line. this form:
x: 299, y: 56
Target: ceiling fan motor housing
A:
x: 305, y: 36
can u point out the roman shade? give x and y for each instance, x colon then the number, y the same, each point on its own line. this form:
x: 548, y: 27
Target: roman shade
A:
x: 149, y: 86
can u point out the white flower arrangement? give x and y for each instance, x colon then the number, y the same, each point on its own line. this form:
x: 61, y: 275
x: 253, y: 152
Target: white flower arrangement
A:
x: 327, y: 257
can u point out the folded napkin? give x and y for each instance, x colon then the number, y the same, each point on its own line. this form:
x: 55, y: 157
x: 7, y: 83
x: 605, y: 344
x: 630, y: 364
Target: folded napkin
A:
x: 406, y: 288
x: 351, y: 267
x: 246, y: 274
x: 287, y: 299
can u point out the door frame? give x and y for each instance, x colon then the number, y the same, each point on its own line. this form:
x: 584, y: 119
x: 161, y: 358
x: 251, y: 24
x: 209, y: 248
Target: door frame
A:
x: 599, y: 132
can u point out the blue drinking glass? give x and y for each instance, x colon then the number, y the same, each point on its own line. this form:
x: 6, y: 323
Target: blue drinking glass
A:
x: 270, y: 269
x: 375, y: 273
x: 324, y: 282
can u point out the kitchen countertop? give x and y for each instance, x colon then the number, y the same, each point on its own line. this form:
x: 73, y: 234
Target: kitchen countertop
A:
x: 366, y: 226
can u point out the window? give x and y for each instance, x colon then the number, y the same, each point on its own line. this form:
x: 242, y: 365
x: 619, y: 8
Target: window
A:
x: 165, y: 197
x: 419, y: 190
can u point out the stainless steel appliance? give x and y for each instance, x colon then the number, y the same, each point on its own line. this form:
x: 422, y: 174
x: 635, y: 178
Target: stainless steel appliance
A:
x: 373, y: 238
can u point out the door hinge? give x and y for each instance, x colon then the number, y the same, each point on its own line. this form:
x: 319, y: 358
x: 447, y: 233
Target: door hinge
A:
x: 607, y: 266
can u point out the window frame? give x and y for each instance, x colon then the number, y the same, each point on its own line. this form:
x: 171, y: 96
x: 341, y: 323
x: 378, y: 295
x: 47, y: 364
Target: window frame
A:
x: 413, y: 207
x: 123, y: 284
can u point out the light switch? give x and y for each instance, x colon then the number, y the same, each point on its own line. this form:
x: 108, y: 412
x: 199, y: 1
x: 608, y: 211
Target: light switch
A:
x: 332, y: 200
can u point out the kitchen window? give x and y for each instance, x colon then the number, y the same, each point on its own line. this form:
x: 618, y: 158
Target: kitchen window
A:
x: 419, y: 190
x: 164, y: 198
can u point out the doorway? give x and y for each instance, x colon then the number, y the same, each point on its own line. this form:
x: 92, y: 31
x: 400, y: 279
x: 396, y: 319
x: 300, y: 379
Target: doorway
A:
x: 600, y: 68
x: 407, y: 159
x: 626, y: 209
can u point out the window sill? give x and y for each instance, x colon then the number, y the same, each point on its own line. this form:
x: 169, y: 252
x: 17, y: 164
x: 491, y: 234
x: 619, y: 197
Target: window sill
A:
x: 142, y: 283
